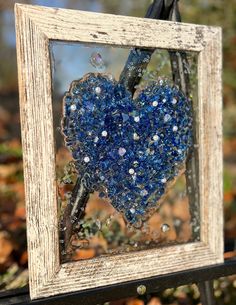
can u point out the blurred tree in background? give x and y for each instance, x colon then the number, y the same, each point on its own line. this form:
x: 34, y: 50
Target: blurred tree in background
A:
x: 13, y: 254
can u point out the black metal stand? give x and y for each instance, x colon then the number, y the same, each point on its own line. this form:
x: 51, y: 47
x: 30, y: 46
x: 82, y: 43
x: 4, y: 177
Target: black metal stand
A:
x: 203, y: 277
x: 206, y: 292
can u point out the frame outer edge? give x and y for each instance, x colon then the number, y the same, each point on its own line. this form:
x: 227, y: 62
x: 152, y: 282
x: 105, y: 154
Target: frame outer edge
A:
x: 33, y: 60
x: 42, y: 231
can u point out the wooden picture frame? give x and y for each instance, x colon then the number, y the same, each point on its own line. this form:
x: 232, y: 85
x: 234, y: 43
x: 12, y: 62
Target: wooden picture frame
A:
x: 35, y: 27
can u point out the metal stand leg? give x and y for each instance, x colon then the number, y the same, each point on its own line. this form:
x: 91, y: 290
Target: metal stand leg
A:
x: 206, y: 293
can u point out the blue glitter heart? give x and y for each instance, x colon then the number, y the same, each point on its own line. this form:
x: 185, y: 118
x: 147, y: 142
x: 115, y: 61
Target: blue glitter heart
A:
x: 129, y: 148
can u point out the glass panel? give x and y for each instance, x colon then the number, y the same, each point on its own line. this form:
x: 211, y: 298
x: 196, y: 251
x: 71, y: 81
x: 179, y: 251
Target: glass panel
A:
x: 123, y: 132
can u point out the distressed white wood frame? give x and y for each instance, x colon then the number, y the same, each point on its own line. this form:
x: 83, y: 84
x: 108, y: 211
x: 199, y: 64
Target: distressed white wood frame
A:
x: 35, y: 27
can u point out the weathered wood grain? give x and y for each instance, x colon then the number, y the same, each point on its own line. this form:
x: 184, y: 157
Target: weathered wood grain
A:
x: 35, y: 27
x: 71, y: 25
x: 210, y: 143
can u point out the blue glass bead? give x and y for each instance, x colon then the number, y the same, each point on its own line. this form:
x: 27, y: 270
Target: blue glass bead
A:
x: 131, y: 146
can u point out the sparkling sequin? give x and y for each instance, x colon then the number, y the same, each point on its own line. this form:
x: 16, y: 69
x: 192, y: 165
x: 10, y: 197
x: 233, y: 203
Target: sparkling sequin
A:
x: 174, y: 101
x: 132, y: 210
x: 104, y: 133
x: 131, y: 171
x: 155, y: 137
x: 154, y: 104
x: 121, y: 151
x: 128, y: 160
x: 165, y: 228
x: 86, y: 159
x: 98, y: 90
x: 96, y: 60
x: 167, y: 117
x: 73, y: 107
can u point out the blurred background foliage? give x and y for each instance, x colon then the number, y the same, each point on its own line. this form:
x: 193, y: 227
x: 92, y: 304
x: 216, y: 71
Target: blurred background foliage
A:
x: 13, y: 253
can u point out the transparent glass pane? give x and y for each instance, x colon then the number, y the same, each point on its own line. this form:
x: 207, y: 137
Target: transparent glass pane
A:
x: 123, y: 140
